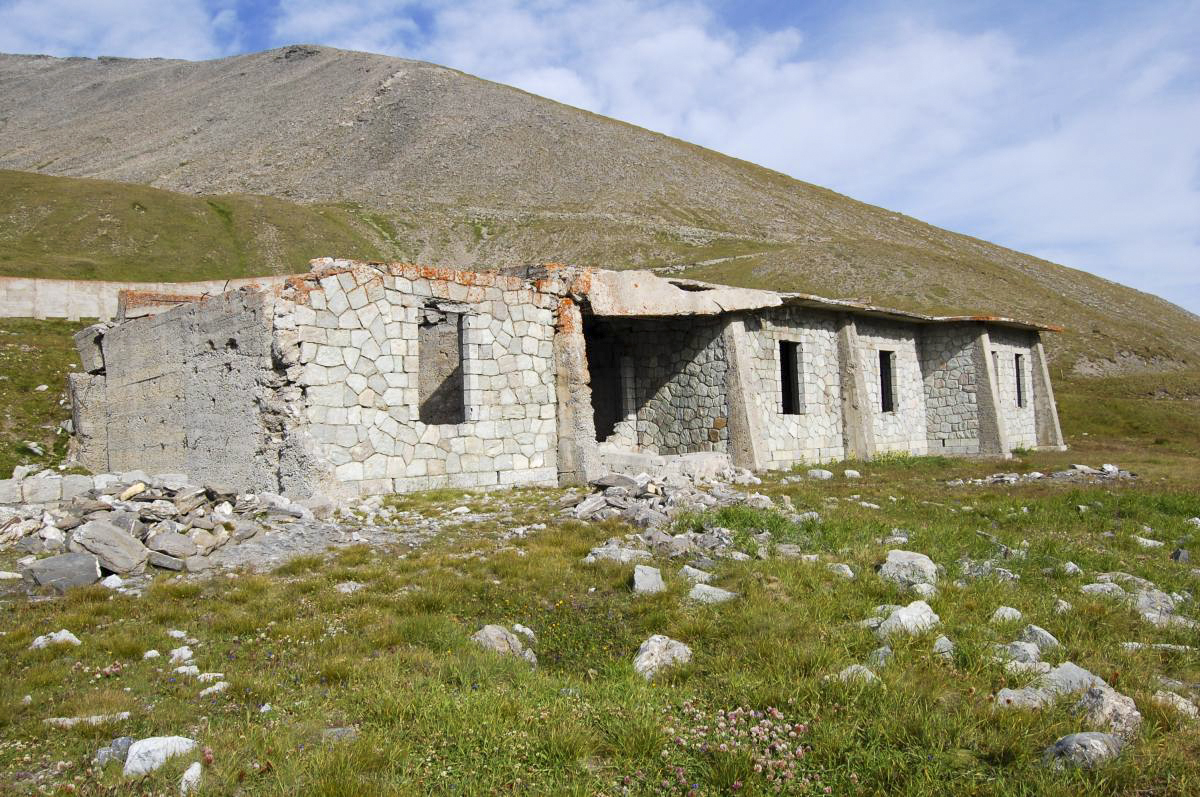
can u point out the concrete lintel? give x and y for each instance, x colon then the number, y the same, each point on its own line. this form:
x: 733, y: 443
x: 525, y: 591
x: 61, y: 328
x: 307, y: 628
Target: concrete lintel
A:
x: 858, y: 428
x: 993, y: 434
x: 1045, y: 410
x: 747, y: 441
x: 642, y: 293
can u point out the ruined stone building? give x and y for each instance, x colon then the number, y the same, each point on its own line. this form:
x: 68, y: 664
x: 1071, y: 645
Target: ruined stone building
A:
x: 362, y: 378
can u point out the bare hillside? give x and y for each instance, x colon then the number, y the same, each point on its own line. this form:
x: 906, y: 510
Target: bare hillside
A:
x: 434, y: 165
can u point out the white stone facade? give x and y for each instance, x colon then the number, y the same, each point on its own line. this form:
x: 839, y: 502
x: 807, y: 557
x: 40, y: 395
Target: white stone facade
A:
x: 1019, y: 421
x: 903, y: 428
x: 951, y: 390
x: 814, y: 434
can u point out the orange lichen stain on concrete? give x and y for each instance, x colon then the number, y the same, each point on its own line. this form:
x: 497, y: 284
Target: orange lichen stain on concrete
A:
x: 132, y: 298
x: 566, y: 315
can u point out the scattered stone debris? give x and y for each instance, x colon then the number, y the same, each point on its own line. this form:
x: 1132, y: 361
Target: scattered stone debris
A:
x: 1085, y: 750
x: 1077, y: 474
x: 706, y: 593
x: 61, y: 637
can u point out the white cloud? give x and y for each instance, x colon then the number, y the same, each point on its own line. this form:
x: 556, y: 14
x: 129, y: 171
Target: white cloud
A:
x: 131, y: 28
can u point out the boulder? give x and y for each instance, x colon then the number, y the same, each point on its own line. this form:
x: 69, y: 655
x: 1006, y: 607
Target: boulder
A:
x: 1173, y: 701
x: 180, y: 546
x: 942, y: 646
x: 60, y: 637
x: 1006, y: 614
x: 62, y: 572
x: 911, y: 619
x: 647, y: 580
x: 1043, y: 639
x: 1107, y: 708
x: 165, y: 562
x: 908, y: 569
x: 706, y: 593
x: 1085, y: 750
x: 841, y: 569
x: 147, y: 755
x: 499, y: 639
x: 695, y: 575
x: 116, y: 550
x: 658, y: 653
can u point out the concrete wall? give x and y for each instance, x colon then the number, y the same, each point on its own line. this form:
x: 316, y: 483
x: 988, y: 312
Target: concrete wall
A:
x: 1019, y: 421
x: 814, y: 435
x: 360, y: 363
x: 951, y: 389
x: 21, y: 297
x: 903, y: 429
x: 193, y: 390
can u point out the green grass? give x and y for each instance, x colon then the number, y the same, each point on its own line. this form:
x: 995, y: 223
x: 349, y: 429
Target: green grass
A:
x: 436, y: 715
x: 34, y: 353
x: 67, y: 228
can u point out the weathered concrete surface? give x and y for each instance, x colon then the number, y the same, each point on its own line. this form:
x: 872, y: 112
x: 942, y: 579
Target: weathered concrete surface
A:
x: 1049, y: 432
x: 747, y: 438
x: 858, y: 434
x: 578, y: 459
x: 642, y: 293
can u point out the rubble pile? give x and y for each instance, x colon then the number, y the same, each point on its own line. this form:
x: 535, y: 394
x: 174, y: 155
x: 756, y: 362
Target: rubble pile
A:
x: 1075, y: 474
x: 123, y: 524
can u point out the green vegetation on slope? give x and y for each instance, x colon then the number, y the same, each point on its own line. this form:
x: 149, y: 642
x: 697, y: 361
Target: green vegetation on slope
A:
x: 67, y: 228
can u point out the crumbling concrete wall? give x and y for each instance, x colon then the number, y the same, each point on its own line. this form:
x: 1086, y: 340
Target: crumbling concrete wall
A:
x: 903, y: 428
x: 192, y: 390
x: 814, y: 434
x: 951, y: 389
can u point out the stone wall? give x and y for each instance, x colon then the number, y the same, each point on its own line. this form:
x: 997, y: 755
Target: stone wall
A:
x: 360, y: 361
x: 672, y: 384
x: 951, y: 387
x: 1019, y: 421
x: 815, y: 433
x: 902, y: 429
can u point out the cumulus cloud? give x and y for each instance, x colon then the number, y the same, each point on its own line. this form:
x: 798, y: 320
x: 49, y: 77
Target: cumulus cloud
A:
x: 132, y: 28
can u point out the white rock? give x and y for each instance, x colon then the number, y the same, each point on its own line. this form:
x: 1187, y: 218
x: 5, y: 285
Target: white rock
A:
x: 190, y: 781
x: 908, y: 569
x: 214, y: 689
x: 349, y: 587
x: 1062, y: 607
x: 841, y: 569
x: 112, y: 582
x: 499, y: 639
x: 460, y: 510
x: 647, y: 580
x: 61, y: 637
x: 820, y: 474
x: 147, y: 755
x: 181, y: 655
x: 205, y: 677
x: 851, y: 474
x: 942, y: 646
x: 526, y: 631
x: 1040, y: 637
x: 1147, y: 543
x: 615, y: 553
x: 1105, y: 707
x: 926, y: 591
x: 659, y: 652
x: 175, y: 633
x: 1178, y: 703
x: 911, y: 619
x: 150, y: 654
x: 265, y: 708
x: 705, y: 593
x: 188, y: 669
x: 1006, y: 614
x: 695, y: 575
x: 1086, y: 750
x: 1072, y: 569
x: 856, y: 672
x: 95, y: 719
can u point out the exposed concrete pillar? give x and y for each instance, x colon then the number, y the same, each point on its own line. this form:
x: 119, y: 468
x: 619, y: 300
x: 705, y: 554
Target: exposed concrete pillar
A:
x: 993, y: 436
x: 578, y: 456
x: 1045, y: 411
x: 747, y: 437
x: 858, y: 428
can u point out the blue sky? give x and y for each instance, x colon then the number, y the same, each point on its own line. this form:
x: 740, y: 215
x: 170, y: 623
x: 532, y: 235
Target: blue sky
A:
x: 1069, y: 130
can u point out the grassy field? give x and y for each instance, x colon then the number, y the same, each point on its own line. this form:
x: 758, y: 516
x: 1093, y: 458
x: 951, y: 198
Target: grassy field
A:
x: 433, y: 714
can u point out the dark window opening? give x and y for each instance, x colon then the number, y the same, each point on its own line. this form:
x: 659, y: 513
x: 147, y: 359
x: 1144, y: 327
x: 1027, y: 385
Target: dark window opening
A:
x: 1019, y: 363
x: 604, y: 352
x: 790, y: 374
x: 887, y: 393
x: 440, y: 390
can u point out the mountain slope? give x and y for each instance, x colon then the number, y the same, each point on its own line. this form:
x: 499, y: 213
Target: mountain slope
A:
x: 461, y: 171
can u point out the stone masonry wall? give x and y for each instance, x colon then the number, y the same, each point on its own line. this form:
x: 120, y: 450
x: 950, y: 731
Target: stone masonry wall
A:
x: 814, y: 435
x: 676, y: 383
x: 904, y: 428
x: 360, y: 363
x: 951, y: 385
x: 1019, y: 422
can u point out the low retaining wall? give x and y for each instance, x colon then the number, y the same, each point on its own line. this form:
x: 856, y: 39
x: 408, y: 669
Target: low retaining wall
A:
x: 21, y: 297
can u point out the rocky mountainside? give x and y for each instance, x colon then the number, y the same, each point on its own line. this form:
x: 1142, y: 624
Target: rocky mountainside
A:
x: 429, y: 164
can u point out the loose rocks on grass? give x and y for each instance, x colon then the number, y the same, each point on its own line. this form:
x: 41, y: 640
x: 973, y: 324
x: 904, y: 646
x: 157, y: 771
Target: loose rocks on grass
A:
x: 659, y: 653
x: 499, y: 639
